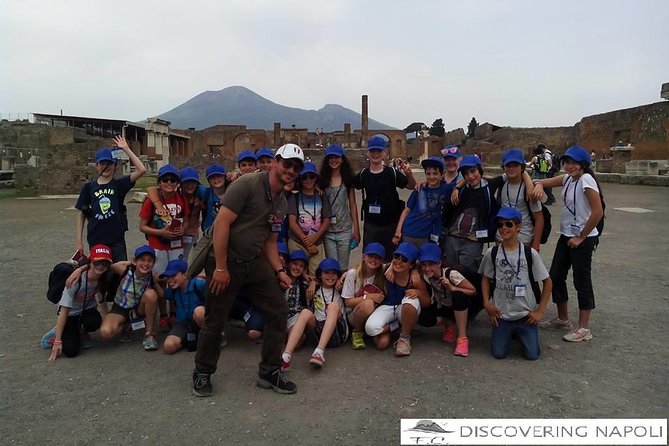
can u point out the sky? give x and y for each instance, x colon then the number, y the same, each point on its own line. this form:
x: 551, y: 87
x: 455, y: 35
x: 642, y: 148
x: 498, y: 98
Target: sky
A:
x: 512, y: 63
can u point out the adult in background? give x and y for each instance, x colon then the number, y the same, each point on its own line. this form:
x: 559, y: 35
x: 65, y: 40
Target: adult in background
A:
x: 101, y: 202
x: 246, y: 260
x: 542, y: 164
x: 381, y: 205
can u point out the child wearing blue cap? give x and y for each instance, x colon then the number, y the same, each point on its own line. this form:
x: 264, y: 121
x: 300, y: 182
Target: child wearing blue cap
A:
x: 264, y: 157
x: 381, y: 205
x: 363, y: 290
x: 100, y: 202
x: 336, y: 180
x: 451, y: 155
x: 299, y: 316
x: 420, y: 221
x: 246, y: 162
x: 581, y: 222
x: 308, y: 218
x: 187, y: 296
x: 406, y: 293
x: 453, y: 296
x: 514, y: 308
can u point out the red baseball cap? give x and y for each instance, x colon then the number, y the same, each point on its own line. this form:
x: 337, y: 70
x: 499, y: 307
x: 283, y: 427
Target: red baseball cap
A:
x: 100, y: 252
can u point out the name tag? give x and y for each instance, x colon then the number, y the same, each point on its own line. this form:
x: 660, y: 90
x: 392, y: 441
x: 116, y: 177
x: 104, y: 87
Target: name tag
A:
x: 189, y: 239
x: 394, y: 325
x: 481, y: 233
x: 519, y: 290
x: 575, y: 230
x: 191, y: 337
x: 276, y: 227
x: 175, y: 244
x: 333, y: 220
x: 138, y: 324
x: 374, y: 209
x: 247, y: 316
x: 434, y: 238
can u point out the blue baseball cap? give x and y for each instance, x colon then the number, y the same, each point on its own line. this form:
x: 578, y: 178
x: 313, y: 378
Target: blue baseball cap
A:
x: 509, y: 213
x: 168, y: 169
x: 104, y: 155
x: 469, y: 161
x: 309, y: 167
x: 264, y: 151
x: 298, y: 254
x: 174, y: 267
x: 334, y: 149
x: 215, y: 169
x: 246, y: 154
x: 578, y: 154
x: 376, y: 249
x: 408, y: 250
x: 376, y: 143
x: 283, y: 249
x: 451, y: 150
x: 328, y: 265
x: 513, y: 156
x: 429, y: 252
x: 433, y: 161
x: 189, y: 174
x: 145, y: 249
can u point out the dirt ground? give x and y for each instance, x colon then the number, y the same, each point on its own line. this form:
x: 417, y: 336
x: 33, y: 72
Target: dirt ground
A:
x: 119, y: 394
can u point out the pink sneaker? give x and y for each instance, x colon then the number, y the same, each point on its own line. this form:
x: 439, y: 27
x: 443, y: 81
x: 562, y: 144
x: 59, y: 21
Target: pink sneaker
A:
x: 462, y: 347
x: 317, y: 360
x: 449, y: 335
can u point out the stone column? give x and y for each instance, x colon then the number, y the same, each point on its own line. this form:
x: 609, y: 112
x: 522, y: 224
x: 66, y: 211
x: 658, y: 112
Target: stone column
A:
x: 621, y: 156
x: 365, y: 123
x: 277, y: 134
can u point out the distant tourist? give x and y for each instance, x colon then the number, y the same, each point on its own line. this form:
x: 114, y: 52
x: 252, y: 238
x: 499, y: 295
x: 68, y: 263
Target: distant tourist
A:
x: 541, y: 165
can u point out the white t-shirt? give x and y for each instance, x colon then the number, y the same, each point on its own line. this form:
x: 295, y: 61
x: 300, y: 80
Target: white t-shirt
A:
x: 575, y: 215
x: 349, y: 288
x: 509, y: 276
x: 73, y: 298
x: 513, y: 195
x: 324, y: 297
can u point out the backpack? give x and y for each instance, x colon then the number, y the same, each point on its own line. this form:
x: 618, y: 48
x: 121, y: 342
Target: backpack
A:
x: 536, y: 289
x: 544, y: 167
x: 57, y: 278
x: 555, y: 165
x: 400, y: 203
x: 548, y: 226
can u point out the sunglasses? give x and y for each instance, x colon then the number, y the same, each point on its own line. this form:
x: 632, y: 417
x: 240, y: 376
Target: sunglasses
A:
x: 290, y: 163
x: 169, y: 179
x: 400, y: 257
x: 309, y: 176
x: 98, y: 263
x: 450, y: 150
x: 507, y: 224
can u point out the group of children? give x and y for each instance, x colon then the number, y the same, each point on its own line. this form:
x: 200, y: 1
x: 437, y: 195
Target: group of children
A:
x: 423, y: 262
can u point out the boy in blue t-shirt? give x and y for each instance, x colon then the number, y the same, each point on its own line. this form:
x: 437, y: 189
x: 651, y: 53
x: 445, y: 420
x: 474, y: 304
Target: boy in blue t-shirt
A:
x: 187, y: 297
x: 420, y: 221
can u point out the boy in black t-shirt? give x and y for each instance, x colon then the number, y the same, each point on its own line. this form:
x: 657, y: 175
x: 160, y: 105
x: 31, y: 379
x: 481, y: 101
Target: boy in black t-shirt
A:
x: 101, y: 202
x: 381, y: 206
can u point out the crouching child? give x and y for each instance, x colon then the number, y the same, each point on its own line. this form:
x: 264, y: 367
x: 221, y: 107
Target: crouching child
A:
x: 514, y: 269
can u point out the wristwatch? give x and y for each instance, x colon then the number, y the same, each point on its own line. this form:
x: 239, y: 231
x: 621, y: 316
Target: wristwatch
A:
x: 279, y: 271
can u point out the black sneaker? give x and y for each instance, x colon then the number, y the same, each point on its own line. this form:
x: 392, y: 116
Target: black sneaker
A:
x: 276, y: 381
x: 201, y: 384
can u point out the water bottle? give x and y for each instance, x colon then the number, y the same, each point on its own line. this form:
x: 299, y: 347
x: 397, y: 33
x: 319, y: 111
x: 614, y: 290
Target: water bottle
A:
x: 353, y: 244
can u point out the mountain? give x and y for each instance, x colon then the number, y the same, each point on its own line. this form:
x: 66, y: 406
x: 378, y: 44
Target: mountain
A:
x: 239, y: 105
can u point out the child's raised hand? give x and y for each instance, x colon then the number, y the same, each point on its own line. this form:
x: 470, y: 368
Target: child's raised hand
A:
x: 121, y: 142
x: 493, y: 313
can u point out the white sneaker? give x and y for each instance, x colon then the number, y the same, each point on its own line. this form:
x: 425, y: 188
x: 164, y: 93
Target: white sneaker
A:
x: 578, y: 335
x: 556, y: 324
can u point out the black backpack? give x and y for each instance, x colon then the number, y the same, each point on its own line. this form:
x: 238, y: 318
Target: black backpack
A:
x: 548, y: 226
x: 536, y: 289
x: 57, y: 278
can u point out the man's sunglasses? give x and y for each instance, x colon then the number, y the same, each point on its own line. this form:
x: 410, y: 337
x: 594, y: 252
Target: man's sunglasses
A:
x: 508, y: 224
x: 291, y: 163
x: 169, y: 179
x: 400, y: 257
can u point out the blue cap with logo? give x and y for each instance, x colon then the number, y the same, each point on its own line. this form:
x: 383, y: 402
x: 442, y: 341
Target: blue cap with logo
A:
x: 246, y: 154
x: 578, y: 154
x: 215, y: 169
x: 168, y: 169
x: 509, y: 213
x: 429, y: 252
x: 189, y: 174
x: 376, y: 249
x: 298, y: 254
x: 104, y: 154
x: 334, y: 149
x: 513, y: 156
x: 408, y: 250
x: 145, y: 249
x: 433, y: 161
x: 174, y: 267
x: 376, y: 142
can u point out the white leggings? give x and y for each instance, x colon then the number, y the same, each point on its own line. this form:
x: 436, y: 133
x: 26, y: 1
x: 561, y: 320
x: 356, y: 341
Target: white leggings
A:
x: 385, y: 314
